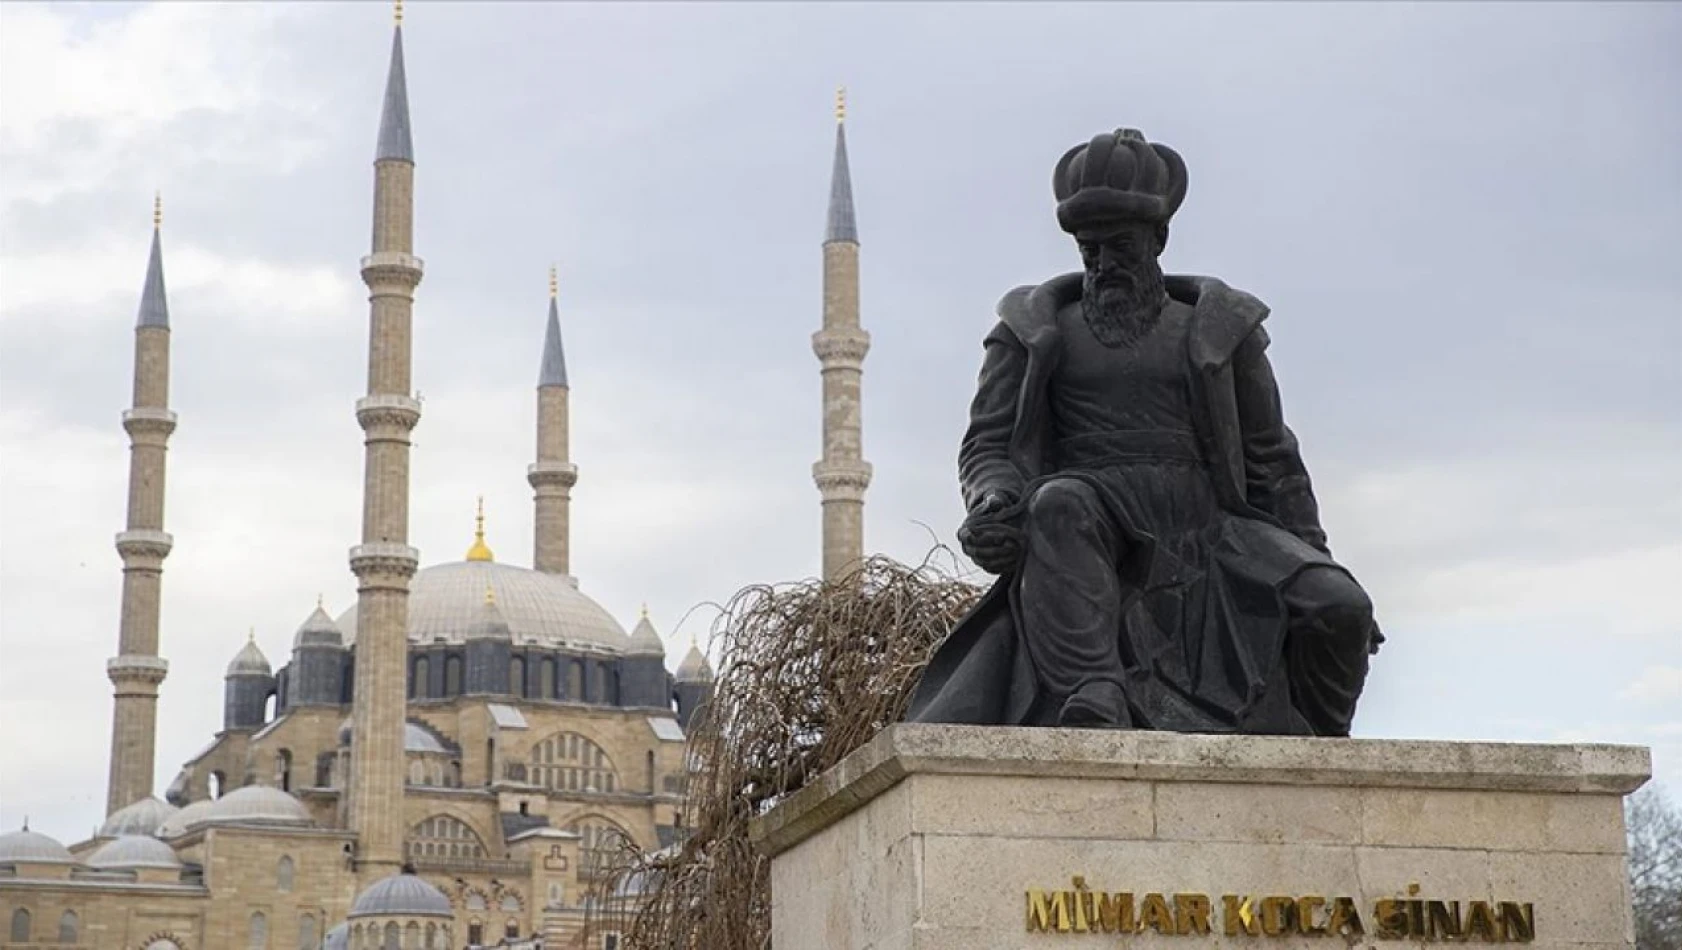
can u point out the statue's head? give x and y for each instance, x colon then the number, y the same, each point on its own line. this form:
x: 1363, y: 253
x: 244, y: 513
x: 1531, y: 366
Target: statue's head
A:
x: 1115, y: 195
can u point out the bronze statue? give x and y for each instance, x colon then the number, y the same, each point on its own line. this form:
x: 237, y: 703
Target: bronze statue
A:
x: 1129, y: 476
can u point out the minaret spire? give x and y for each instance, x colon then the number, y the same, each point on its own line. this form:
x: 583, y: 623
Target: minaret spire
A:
x: 384, y: 561
x: 842, y: 475
x: 553, y: 474
x: 137, y: 670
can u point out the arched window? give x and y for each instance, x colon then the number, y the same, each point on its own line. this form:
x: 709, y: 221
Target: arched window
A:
x: 452, y: 676
x: 575, y: 680
x: 610, y: 694
x: 324, y: 770
x: 512, y: 929
x: 601, y: 840
x: 599, y: 681
x: 568, y: 762
x: 420, y: 678
x: 417, y: 772
x: 432, y: 936
x: 20, y: 926
x: 283, y: 874
x: 392, y: 937
x: 546, y: 675
x: 510, y: 903
x: 217, y: 782
x: 476, y: 901
x: 259, y: 931
x: 69, y: 927
x: 517, y: 676
x: 443, y: 836
x: 308, y: 937
x: 283, y: 770
x: 475, y: 932
x: 411, y: 936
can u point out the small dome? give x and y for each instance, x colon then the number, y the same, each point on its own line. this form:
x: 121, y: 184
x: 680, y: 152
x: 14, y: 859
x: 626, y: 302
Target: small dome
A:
x: 257, y: 804
x: 318, y: 629
x: 32, y: 847
x: 695, y: 668
x: 140, y: 818
x: 401, y: 895
x: 250, y: 661
x: 134, y: 851
x: 191, y: 815
x: 645, y: 640
x: 337, y: 939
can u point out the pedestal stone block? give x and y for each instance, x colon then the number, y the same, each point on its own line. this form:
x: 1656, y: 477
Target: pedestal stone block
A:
x: 988, y: 838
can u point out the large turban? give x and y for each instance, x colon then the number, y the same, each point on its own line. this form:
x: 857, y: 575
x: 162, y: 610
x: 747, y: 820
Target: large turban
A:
x: 1117, y: 178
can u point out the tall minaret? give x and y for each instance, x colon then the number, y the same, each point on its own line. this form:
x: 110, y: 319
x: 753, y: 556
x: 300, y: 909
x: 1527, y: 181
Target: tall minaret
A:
x: 137, y: 669
x: 843, y: 474
x: 384, y: 561
x: 553, y: 474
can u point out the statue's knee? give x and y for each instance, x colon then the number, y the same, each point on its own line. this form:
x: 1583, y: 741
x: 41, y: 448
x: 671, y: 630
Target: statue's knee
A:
x: 1334, y: 604
x: 1062, y: 504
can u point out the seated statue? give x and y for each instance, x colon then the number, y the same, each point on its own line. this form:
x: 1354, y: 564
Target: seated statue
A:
x: 1129, y: 476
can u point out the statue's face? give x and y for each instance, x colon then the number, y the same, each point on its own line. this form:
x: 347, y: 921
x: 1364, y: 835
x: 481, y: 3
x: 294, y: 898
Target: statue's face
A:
x: 1122, y: 292
x: 1113, y: 252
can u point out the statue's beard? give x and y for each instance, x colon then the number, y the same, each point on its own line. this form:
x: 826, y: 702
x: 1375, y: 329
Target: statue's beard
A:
x: 1122, y: 305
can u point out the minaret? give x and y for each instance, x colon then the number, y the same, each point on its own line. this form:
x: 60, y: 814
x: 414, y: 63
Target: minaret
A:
x: 137, y: 669
x: 384, y: 561
x: 553, y: 474
x: 842, y: 474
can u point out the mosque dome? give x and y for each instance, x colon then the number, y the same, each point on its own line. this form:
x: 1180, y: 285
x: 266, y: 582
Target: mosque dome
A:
x: 694, y: 668
x: 32, y: 847
x: 447, y: 601
x: 250, y: 661
x: 134, y: 851
x: 143, y: 817
x: 190, y: 815
x: 401, y: 895
x: 256, y: 804
x: 645, y: 640
x: 337, y: 939
x: 318, y: 629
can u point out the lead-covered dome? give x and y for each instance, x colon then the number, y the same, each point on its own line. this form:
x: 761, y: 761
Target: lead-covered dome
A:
x: 446, y: 601
x: 256, y: 804
x: 401, y: 895
x: 143, y: 817
x: 134, y: 851
x: 190, y: 816
x: 32, y: 847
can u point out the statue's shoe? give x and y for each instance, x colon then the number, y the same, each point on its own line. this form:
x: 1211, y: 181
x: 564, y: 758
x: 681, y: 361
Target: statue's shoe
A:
x: 1097, y: 704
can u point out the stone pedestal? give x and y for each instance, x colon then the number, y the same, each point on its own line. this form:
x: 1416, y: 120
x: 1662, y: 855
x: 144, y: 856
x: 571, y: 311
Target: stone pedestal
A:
x: 975, y: 838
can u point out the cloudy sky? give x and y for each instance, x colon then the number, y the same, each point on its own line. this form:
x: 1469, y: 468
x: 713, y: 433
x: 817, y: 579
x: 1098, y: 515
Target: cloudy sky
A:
x: 1465, y: 217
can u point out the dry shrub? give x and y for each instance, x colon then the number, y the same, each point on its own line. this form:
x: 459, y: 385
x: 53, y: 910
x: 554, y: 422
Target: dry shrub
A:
x: 808, y: 672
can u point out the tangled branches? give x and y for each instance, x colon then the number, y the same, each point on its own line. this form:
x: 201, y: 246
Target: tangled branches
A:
x: 808, y: 673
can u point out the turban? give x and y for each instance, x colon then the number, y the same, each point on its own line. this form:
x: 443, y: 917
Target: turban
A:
x: 1117, y: 178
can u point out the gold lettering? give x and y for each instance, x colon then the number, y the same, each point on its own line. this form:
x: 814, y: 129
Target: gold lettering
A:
x: 1518, y: 922
x: 1480, y: 922
x: 1416, y: 918
x: 1191, y: 914
x: 1114, y: 912
x: 1277, y: 915
x: 1306, y: 908
x: 1155, y: 914
x: 1346, y: 919
x: 1390, y: 917
x: 1077, y: 897
x: 1240, y: 917
x: 1047, y: 912
x: 1442, y: 920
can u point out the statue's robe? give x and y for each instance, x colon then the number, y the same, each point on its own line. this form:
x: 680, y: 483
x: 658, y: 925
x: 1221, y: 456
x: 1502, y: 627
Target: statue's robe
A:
x: 1229, y: 673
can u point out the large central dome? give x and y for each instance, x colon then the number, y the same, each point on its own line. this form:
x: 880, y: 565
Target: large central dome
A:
x: 445, y: 601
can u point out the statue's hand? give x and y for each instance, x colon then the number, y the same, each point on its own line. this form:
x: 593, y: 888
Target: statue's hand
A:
x: 988, y: 535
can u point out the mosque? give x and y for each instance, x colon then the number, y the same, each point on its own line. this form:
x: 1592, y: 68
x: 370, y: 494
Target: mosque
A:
x: 446, y: 763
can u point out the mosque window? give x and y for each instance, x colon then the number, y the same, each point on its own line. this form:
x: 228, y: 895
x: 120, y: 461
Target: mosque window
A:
x: 309, y: 938
x: 411, y: 936
x: 601, y: 840
x: 392, y: 936
x: 575, y: 680
x: 216, y: 783
x: 283, y: 770
x: 510, y: 903
x: 324, y: 770
x: 442, y: 837
x: 475, y: 933
x: 20, y: 925
x: 517, y: 676
x: 432, y: 937
x: 69, y: 927
x: 546, y: 677
x: 452, y: 676
x: 569, y: 762
x: 283, y: 874
x: 610, y: 941
x: 419, y: 687
x: 511, y: 930
x: 259, y: 931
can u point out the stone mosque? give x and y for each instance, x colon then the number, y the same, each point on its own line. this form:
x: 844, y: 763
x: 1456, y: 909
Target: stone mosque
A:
x: 447, y: 762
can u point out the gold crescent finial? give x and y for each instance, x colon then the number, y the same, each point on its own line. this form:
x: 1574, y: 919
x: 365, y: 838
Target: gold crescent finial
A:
x: 645, y: 610
x: 157, y: 210
x: 479, y: 551
x: 840, y: 103
x: 251, y: 635
x: 397, y: 13
x: 554, y: 283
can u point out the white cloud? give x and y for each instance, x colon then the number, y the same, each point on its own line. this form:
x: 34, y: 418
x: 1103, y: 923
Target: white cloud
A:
x: 1656, y: 684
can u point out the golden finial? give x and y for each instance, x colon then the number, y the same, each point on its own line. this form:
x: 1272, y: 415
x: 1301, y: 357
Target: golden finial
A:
x: 397, y: 13
x: 490, y: 595
x: 645, y: 610
x: 251, y: 635
x: 320, y: 603
x: 157, y: 210
x: 479, y: 552
x: 554, y: 283
x: 840, y: 103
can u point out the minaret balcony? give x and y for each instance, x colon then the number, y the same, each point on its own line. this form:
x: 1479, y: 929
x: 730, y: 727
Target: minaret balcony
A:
x: 384, y: 558
x: 841, y: 348
x: 842, y: 480
x: 143, y: 544
x: 136, y: 666
x: 148, y: 420
x: 391, y: 267
x: 388, y: 409
x: 564, y: 474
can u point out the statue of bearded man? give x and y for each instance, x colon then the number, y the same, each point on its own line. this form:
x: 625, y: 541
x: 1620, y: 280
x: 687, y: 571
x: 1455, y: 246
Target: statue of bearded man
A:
x: 1129, y: 476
